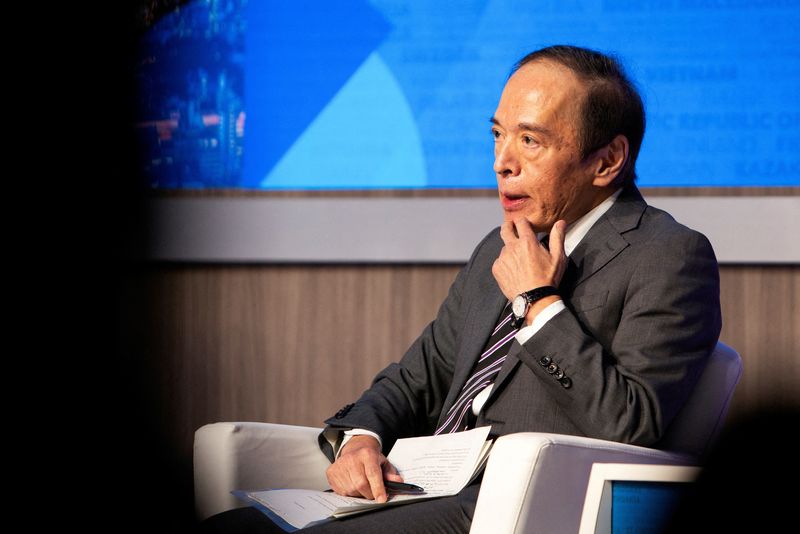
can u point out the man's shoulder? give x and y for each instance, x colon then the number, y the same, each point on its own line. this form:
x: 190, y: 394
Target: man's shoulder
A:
x: 656, y: 226
x: 661, y: 244
x: 660, y: 227
x: 488, y: 248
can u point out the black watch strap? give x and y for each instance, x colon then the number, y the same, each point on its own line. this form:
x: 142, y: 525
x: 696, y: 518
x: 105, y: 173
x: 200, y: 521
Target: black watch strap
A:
x: 539, y: 293
x: 530, y: 297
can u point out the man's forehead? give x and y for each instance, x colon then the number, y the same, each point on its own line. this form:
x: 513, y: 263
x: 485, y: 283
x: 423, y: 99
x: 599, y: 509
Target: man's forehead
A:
x: 541, y: 91
x: 546, y: 81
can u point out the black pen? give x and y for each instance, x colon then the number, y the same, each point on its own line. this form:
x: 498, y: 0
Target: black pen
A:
x: 402, y: 487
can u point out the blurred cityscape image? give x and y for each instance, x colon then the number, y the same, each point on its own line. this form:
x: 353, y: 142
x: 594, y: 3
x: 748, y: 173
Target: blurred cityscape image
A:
x: 190, y: 87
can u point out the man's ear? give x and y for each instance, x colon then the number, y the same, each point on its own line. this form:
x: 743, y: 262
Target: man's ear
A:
x: 610, y: 160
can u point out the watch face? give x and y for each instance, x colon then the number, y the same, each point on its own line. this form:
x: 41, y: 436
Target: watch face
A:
x: 518, y: 305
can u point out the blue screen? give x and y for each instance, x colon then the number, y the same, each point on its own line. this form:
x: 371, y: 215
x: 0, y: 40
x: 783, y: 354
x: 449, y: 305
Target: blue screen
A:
x: 358, y: 94
x: 643, y: 507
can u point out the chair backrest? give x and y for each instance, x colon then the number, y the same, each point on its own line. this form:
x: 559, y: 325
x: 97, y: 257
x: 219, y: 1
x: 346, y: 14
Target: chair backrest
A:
x: 697, y: 424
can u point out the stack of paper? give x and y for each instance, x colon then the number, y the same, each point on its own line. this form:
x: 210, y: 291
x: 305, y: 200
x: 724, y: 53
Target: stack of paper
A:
x: 443, y: 465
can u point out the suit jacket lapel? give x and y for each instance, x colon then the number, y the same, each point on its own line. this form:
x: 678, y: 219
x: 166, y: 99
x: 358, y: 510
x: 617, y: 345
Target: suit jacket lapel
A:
x: 605, y: 240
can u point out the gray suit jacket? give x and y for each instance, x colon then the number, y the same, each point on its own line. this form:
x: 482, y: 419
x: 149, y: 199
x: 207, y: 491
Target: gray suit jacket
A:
x: 642, y: 297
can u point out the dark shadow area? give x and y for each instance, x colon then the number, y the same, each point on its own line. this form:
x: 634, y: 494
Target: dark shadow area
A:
x: 100, y: 460
x: 749, y: 481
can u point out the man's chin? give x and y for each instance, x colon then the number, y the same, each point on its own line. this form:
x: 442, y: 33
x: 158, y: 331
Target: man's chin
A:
x: 537, y: 225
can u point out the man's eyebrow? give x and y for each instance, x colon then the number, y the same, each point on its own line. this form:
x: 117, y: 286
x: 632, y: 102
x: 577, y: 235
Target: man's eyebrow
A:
x: 527, y: 126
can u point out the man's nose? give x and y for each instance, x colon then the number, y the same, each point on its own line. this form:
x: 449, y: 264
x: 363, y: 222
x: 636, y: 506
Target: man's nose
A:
x: 506, y: 163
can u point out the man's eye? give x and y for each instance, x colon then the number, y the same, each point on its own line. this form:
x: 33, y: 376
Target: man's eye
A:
x: 495, y: 134
x: 528, y: 140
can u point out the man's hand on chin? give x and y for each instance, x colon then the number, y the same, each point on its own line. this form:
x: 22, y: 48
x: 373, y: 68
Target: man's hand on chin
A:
x: 524, y: 264
x: 360, y: 469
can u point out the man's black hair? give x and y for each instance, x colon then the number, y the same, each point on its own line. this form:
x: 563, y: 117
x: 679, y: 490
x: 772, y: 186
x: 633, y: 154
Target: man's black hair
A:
x: 612, y: 106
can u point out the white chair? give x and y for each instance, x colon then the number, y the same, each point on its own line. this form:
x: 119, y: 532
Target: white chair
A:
x: 533, y: 483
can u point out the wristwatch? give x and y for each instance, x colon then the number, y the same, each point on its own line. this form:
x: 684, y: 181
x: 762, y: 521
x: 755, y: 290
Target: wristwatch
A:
x: 523, y: 301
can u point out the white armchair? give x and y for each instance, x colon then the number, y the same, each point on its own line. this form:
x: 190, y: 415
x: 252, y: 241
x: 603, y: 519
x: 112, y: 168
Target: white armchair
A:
x: 533, y: 482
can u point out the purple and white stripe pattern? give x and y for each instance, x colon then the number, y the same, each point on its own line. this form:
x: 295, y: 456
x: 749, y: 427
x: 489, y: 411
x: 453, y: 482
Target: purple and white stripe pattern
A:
x: 486, y: 369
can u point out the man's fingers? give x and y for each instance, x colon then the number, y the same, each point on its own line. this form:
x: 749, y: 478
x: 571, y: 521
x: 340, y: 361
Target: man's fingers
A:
x: 375, y: 478
x: 348, y: 482
x: 524, y: 230
x: 507, y: 232
x: 332, y: 473
x: 354, y: 482
x: 556, y: 239
x: 357, y: 471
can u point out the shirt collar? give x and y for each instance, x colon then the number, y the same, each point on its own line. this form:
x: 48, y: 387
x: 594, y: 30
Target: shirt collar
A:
x: 578, y: 230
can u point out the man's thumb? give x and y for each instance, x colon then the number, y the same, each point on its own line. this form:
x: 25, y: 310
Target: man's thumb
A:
x: 556, y: 240
x: 390, y: 473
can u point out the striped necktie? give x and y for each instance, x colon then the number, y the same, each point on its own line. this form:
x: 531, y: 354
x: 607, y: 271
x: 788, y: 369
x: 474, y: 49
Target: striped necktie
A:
x: 460, y: 416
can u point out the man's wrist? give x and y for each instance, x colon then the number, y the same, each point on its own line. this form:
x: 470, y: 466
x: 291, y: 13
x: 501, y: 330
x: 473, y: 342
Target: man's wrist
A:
x: 358, y: 442
x: 545, y: 316
x: 537, y: 307
x: 524, y: 306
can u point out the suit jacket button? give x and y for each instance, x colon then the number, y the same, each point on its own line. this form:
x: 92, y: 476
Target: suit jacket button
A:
x: 552, y: 368
x: 559, y: 374
x: 341, y: 413
x: 544, y: 361
x: 566, y: 382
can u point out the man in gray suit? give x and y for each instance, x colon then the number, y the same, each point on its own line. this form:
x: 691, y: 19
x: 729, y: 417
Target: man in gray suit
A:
x: 600, y: 329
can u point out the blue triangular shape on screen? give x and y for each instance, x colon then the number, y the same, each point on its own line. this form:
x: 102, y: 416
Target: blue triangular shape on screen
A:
x: 301, y: 55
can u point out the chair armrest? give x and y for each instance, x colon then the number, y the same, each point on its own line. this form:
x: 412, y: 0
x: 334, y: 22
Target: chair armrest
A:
x: 536, y: 482
x: 252, y: 456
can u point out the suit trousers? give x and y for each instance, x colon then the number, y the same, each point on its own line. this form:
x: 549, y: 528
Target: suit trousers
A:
x: 445, y: 515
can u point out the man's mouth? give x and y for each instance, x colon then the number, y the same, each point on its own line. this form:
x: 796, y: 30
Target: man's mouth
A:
x: 511, y: 201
